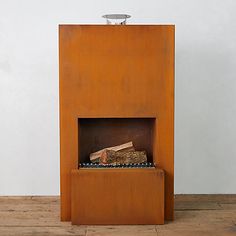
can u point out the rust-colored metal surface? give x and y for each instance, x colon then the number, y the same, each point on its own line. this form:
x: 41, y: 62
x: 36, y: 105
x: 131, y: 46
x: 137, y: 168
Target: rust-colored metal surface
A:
x: 121, y: 72
x: 120, y: 196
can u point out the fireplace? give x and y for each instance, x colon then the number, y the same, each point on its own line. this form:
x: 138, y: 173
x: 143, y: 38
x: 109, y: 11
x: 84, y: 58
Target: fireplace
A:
x: 116, y: 87
x: 99, y: 133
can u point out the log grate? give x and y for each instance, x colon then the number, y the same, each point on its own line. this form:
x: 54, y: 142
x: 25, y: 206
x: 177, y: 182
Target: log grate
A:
x: 136, y: 165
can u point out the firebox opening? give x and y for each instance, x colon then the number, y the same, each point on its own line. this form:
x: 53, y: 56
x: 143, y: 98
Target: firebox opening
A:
x: 99, y: 133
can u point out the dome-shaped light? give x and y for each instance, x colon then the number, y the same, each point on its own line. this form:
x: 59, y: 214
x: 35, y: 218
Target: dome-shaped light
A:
x: 116, y: 19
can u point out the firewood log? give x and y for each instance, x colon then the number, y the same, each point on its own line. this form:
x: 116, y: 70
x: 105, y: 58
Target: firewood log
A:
x: 119, y: 157
x: 94, y: 157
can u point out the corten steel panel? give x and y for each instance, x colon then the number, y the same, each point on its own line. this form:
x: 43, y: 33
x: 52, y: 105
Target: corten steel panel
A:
x: 117, y: 196
x: 116, y: 71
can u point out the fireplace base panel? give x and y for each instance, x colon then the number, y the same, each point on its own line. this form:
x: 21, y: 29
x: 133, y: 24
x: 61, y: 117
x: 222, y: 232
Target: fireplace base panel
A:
x: 117, y: 196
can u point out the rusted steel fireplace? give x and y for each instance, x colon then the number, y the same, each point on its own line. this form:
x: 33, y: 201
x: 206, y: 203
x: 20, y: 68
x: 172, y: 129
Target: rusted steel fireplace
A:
x: 116, y: 86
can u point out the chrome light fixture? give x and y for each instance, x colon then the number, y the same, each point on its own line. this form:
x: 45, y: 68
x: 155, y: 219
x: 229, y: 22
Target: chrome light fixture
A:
x: 116, y: 19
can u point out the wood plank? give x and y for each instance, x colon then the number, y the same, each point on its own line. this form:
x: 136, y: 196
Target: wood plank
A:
x: 117, y: 196
x: 222, y: 198
x: 195, y: 205
x: 204, y: 201
x: 36, y: 211
x: 43, y: 231
x: 227, y: 206
x: 142, y: 230
x: 195, y: 232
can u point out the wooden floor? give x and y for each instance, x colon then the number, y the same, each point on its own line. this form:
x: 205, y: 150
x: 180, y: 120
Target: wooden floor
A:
x: 194, y: 215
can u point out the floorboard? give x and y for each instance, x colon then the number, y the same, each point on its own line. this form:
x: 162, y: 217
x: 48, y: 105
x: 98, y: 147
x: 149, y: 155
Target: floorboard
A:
x: 194, y: 215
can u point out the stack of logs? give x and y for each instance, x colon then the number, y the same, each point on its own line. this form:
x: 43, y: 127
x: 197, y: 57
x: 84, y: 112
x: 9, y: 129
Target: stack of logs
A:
x: 122, y: 154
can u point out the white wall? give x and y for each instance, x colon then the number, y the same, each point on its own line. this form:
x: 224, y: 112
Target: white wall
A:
x: 205, y: 133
